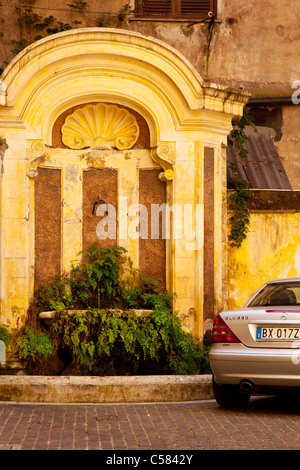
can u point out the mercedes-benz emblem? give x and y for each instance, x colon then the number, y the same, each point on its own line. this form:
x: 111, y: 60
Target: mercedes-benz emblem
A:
x: 283, y: 316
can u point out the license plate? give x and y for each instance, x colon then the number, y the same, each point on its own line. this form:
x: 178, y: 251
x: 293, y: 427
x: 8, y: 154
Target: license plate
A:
x: 277, y: 334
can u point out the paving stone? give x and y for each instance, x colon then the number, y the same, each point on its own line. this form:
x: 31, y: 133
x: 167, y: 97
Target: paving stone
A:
x: 183, y: 427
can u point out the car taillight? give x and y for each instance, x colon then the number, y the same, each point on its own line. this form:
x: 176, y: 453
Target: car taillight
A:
x: 222, y: 333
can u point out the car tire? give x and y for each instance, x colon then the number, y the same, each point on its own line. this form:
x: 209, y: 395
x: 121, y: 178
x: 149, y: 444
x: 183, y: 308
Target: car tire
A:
x: 230, y: 396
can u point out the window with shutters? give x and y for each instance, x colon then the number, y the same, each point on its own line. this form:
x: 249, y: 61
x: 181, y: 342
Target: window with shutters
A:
x: 175, y: 8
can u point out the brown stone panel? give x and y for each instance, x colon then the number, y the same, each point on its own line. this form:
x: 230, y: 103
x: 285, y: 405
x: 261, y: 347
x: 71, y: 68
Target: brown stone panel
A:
x: 209, y: 268
x: 152, y: 252
x: 47, y: 224
x: 103, y: 183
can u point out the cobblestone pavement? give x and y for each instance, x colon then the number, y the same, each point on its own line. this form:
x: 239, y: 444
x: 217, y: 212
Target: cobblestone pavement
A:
x: 268, y: 423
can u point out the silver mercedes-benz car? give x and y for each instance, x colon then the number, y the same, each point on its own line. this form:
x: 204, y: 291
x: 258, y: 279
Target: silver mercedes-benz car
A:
x: 256, y: 349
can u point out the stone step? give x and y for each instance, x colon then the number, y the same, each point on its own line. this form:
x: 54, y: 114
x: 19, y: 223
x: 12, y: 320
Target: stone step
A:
x: 91, y: 389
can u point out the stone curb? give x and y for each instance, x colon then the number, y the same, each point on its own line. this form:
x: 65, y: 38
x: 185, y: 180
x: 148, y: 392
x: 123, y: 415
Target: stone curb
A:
x: 90, y: 389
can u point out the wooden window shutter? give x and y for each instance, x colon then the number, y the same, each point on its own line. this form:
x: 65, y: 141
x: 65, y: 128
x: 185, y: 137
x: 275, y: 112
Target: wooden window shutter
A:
x: 175, y: 8
x: 154, y: 7
x: 196, y: 7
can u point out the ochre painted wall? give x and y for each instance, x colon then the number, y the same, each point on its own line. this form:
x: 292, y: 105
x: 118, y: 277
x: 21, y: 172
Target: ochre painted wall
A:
x: 250, y: 42
x: 254, y: 46
x: 270, y: 251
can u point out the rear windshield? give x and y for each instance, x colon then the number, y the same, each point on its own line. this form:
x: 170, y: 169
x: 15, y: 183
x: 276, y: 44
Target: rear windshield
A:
x: 278, y: 294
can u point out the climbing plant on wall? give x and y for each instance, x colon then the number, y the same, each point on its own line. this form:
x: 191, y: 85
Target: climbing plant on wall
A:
x: 34, y: 26
x: 240, y: 219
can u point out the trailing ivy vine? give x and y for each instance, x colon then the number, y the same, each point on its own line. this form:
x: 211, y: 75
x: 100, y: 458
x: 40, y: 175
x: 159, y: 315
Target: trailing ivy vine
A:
x: 239, y: 221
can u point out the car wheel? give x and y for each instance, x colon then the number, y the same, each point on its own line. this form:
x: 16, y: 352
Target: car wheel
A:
x: 230, y: 396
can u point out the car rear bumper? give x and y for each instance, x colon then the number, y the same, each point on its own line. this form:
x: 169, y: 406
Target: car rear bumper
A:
x: 233, y: 363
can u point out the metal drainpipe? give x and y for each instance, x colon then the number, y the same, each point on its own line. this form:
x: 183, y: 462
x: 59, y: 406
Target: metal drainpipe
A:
x: 272, y: 100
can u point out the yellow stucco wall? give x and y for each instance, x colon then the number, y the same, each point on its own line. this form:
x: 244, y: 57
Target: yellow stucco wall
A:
x: 270, y: 251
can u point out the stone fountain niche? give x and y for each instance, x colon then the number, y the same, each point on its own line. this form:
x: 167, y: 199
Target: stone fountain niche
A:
x: 101, y: 157
x: 107, y: 114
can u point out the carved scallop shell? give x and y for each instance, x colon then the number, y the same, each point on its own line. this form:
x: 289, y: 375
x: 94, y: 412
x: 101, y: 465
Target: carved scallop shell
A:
x: 100, y: 127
